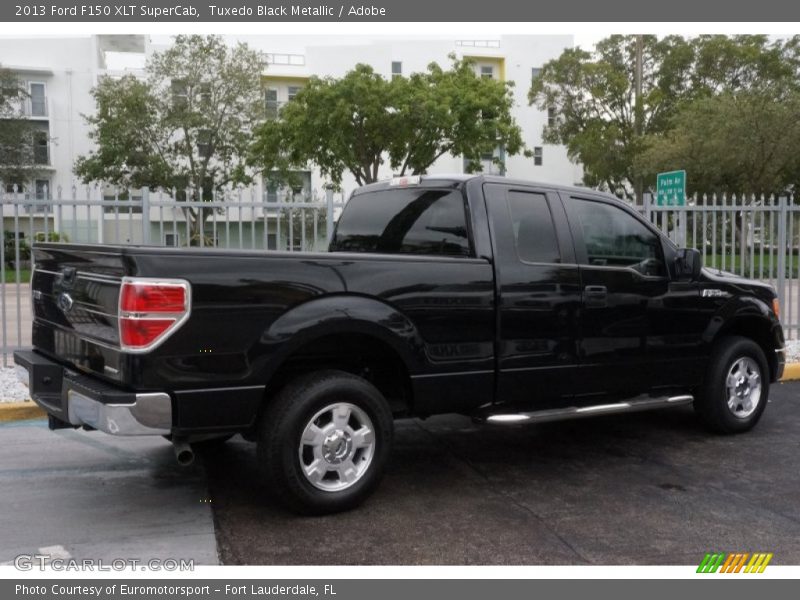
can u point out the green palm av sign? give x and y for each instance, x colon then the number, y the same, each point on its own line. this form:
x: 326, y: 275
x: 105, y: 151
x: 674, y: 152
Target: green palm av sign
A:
x: 671, y: 188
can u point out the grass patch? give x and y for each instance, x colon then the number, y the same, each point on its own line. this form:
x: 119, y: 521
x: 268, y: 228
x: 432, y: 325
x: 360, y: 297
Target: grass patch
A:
x: 11, y: 276
x: 762, y: 268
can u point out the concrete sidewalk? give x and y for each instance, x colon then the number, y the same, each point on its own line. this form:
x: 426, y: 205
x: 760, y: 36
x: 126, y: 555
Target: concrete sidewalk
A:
x: 76, y: 494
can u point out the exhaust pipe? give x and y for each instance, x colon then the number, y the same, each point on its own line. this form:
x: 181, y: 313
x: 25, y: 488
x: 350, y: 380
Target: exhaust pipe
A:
x: 183, y: 453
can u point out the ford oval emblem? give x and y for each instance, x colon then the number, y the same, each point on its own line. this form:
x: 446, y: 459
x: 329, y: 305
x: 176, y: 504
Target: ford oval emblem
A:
x: 64, y: 302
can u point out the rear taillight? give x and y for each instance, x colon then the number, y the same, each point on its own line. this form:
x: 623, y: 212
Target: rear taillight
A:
x: 776, y: 307
x: 150, y: 310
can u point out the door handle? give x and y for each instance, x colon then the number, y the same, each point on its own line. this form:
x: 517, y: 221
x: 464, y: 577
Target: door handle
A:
x: 595, y: 296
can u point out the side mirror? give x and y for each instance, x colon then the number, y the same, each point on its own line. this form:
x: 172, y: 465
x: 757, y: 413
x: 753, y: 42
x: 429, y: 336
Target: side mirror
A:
x: 688, y: 264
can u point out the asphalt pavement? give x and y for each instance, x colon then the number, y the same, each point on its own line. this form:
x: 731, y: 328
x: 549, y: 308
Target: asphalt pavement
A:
x: 86, y: 495
x: 650, y: 489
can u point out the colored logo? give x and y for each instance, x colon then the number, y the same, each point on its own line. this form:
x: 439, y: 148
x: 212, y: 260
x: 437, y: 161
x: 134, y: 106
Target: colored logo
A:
x: 735, y: 562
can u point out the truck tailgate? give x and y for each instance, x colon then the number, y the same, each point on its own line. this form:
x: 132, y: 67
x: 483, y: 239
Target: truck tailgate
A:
x: 75, y: 295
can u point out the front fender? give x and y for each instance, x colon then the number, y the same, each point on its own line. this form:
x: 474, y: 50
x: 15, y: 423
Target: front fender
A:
x: 736, y: 309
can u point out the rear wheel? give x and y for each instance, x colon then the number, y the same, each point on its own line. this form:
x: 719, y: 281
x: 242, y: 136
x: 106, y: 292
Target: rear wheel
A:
x: 324, y: 441
x: 736, y: 389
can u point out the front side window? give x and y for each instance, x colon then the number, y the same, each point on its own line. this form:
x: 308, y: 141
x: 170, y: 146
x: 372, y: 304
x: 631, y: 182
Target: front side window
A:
x: 534, y: 231
x: 404, y: 221
x: 617, y: 239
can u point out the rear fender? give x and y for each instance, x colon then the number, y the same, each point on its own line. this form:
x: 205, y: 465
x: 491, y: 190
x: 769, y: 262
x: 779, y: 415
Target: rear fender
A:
x: 346, y: 315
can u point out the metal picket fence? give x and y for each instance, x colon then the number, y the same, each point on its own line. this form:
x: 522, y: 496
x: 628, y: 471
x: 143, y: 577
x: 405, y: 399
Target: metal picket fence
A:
x: 757, y: 237
x: 238, y: 218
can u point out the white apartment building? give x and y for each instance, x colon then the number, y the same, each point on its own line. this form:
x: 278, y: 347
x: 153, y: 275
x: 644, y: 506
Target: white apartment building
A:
x: 60, y: 73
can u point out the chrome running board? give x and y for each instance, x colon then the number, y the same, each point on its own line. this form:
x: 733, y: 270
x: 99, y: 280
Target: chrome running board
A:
x: 492, y: 414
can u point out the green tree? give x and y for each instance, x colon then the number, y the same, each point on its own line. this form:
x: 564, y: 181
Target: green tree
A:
x: 17, y: 162
x: 187, y: 126
x: 593, y: 96
x: 593, y: 93
x: 361, y: 121
x: 736, y: 142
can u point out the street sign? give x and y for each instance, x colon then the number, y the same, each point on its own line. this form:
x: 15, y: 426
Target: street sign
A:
x: 671, y: 188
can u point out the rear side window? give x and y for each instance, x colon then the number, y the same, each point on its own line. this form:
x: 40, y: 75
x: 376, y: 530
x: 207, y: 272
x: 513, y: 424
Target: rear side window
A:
x: 615, y: 238
x: 404, y: 221
x: 534, y: 232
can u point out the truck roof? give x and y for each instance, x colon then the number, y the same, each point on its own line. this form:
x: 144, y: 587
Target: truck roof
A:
x: 458, y: 179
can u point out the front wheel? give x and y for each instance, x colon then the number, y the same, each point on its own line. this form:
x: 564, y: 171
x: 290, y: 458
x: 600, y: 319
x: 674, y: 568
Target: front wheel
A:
x: 324, y: 441
x: 736, y: 389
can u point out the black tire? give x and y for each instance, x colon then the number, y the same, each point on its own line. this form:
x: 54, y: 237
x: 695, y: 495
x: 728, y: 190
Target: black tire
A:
x: 283, y: 461
x: 712, y: 405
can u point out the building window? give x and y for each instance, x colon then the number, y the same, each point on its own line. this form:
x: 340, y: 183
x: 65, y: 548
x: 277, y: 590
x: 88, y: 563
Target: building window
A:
x: 551, y: 116
x: 537, y: 155
x: 272, y: 240
x: 14, y: 186
x: 397, y: 69
x: 38, y: 99
x: 272, y: 191
x: 487, y: 163
x: 180, y: 93
x: 171, y: 239
x: 487, y: 71
x: 205, y: 93
x: 42, y: 189
x: 535, y: 72
x: 292, y: 91
x: 204, y: 143
x: 41, y: 150
x: 271, y: 103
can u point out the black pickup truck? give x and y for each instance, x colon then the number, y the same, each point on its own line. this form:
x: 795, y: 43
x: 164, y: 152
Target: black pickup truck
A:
x: 509, y: 301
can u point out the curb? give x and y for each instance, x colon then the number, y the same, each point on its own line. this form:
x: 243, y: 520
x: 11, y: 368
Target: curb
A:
x: 20, y: 411
x: 791, y: 372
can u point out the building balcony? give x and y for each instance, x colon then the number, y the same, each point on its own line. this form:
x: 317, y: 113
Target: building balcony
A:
x: 291, y: 60
x: 29, y: 108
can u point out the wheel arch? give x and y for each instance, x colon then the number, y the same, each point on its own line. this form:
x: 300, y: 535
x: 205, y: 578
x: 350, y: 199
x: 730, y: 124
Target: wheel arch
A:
x: 358, y: 335
x: 759, y: 329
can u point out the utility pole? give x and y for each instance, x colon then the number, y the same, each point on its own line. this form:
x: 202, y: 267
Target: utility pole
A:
x: 638, y: 113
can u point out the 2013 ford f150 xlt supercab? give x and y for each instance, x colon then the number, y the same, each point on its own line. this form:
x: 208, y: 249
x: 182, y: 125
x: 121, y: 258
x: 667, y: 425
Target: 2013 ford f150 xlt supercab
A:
x: 505, y: 300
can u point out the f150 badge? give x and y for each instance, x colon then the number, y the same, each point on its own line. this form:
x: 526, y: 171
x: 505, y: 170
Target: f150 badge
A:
x: 714, y: 293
